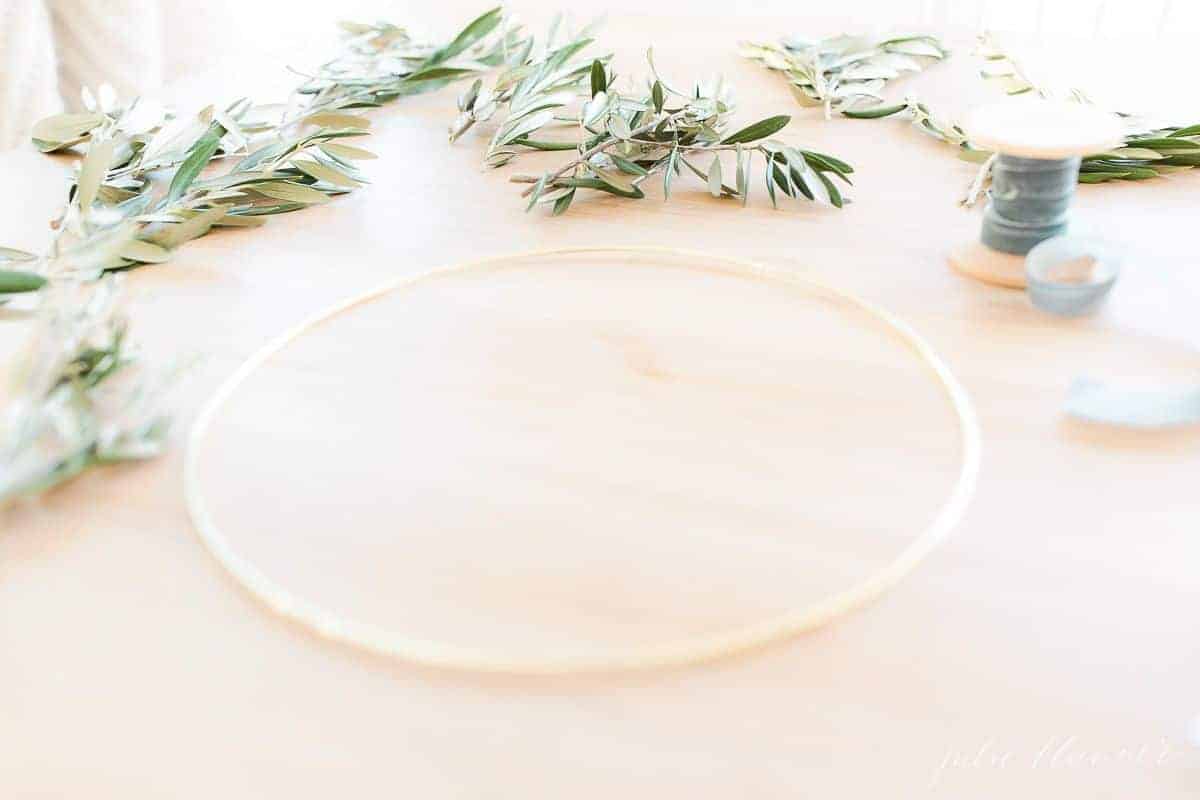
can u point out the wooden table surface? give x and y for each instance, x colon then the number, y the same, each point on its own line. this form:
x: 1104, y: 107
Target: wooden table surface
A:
x: 587, y: 453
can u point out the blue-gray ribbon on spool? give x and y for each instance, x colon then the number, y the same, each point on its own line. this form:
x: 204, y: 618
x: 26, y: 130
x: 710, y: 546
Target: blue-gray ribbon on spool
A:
x: 1030, y: 198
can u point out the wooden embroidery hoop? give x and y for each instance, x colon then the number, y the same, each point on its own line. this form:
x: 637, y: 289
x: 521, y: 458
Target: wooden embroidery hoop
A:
x: 682, y: 652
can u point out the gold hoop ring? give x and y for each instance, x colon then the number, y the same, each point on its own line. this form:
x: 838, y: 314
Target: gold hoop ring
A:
x: 677, y: 653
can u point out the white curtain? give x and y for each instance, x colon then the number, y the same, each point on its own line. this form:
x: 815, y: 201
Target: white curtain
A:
x: 50, y: 49
x: 28, y: 68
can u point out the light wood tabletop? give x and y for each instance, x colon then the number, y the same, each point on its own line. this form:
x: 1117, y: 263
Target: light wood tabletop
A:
x: 583, y: 453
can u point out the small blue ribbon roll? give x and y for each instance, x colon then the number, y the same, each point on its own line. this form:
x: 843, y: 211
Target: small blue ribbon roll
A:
x: 1070, y: 275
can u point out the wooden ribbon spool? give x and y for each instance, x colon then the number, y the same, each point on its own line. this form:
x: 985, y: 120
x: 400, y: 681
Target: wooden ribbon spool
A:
x: 1039, y: 145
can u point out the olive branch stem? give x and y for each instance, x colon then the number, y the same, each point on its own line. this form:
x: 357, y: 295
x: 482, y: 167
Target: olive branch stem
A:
x: 602, y: 147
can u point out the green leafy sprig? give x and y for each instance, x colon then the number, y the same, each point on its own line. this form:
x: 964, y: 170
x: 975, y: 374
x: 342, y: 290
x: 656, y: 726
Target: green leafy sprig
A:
x: 626, y: 139
x: 285, y: 157
x: 145, y: 186
x: 81, y: 399
x: 538, y: 83
x: 845, y: 72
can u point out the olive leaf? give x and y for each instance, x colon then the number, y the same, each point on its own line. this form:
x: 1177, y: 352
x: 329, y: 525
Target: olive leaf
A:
x: 291, y: 192
x: 345, y: 152
x: 324, y: 172
x: 65, y: 130
x: 93, y: 171
x: 331, y: 120
x: 564, y: 202
x: 14, y: 281
x: 670, y: 169
x: 759, y: 130
x: 598, y: 77
x: 13, y: 254
x: 714, y: 177
x: 878, y: 112
x: 617, y: 180
x: 475, y: 30
x: 144, y: 251
x: 174, y: 234
x: 197, y: 158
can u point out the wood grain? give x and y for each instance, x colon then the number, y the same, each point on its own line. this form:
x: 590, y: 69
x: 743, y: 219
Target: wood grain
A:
x: 602, y: 455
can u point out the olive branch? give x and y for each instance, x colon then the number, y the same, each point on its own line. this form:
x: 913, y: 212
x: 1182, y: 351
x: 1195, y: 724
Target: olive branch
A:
x: 80, y: 398
x: 624, y: 138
